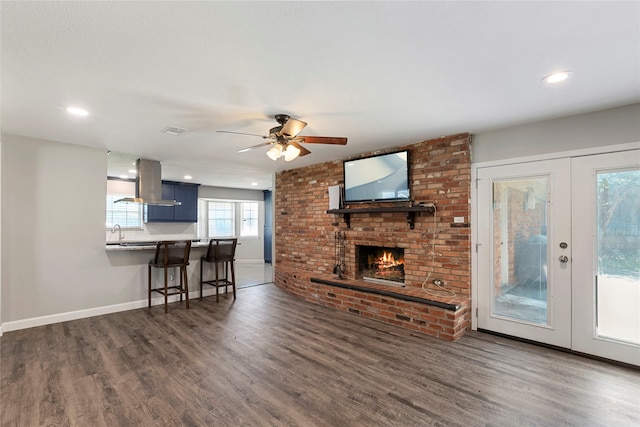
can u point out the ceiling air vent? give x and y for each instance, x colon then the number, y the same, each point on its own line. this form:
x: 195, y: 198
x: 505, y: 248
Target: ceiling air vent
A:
x: 173, y: 130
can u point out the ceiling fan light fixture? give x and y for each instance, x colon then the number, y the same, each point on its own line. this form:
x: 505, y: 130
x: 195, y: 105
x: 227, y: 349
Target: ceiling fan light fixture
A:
x: 291, y: 153
x: 281, y: 137
x: 275, y: 152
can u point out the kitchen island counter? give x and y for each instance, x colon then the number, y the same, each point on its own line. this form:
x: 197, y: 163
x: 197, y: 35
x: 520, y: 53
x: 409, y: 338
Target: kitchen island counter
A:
x: 145, y: 246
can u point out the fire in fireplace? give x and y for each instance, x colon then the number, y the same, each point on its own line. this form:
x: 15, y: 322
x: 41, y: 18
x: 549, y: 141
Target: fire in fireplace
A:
x: 381, y: 264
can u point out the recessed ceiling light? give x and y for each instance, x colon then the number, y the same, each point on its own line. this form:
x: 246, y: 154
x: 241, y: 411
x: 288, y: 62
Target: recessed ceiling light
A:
x: 124, y: 177
x: 133, y: 171
x: 557, y: 77
x: 77, y: 111
x: 254, y: 184
x: 188, y: 177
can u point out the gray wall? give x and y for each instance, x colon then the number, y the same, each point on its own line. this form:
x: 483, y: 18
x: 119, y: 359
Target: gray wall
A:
x: 607, y: 127
x: 54, y: 264
x: 209, y: 192
x: 53, y: 230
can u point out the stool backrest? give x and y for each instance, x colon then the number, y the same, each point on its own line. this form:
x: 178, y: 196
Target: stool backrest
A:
x: 222, y: 249
x: 172, y: 252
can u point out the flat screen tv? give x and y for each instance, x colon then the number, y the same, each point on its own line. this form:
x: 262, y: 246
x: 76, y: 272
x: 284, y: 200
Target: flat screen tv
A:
x: 378, y: 178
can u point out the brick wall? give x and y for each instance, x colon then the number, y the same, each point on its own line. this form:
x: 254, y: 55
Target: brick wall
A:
x: 439, y: 172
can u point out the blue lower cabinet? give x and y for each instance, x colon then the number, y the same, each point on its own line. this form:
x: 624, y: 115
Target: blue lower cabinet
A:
x: 187, y: 194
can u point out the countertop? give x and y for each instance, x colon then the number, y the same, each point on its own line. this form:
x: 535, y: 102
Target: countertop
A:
x: 145, y: 246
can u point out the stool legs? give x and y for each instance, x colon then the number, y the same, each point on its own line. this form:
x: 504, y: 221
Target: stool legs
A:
x: 183, y: 289
x: 233, y: 279
x: 201, y: 275
x: 218, y: 281
x: 166, y: 290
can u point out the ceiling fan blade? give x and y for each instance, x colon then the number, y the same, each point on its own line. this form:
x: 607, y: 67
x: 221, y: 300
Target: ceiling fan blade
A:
x: 254, y: 146
x: 242, y: 133
x: 324, y: 140
x: 303, y: 151
x: 292, y: 127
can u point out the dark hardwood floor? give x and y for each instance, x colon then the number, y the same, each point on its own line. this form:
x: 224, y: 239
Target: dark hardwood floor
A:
x: 268, y: 359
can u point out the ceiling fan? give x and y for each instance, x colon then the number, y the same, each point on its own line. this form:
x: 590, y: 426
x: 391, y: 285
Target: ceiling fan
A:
x: 285, y: 139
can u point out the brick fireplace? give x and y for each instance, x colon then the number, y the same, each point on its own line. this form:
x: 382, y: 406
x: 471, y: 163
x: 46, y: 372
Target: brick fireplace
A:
x: 436, y: 247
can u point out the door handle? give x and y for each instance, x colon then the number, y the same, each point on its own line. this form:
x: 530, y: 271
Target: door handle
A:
x: 564, y: 258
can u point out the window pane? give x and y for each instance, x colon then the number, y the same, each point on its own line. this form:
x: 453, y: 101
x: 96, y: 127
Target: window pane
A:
x: 127, y: 215
x: 220, y: 219
x: 618, y: 251
x: 520, y: 228
x: 249, y: 226
x: 202, y: 219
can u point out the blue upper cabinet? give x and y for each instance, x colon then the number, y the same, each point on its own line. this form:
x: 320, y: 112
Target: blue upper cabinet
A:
x: 188, y: 210
x: 187, y: 194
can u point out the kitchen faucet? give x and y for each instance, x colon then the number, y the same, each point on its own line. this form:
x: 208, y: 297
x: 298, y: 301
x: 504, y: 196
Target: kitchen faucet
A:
x: 113, y: 230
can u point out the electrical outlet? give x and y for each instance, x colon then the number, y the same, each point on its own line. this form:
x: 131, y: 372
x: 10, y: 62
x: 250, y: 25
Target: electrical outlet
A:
x: 438, y: 282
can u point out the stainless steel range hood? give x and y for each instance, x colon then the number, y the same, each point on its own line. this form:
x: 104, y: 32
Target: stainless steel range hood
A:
x: 149, y: 185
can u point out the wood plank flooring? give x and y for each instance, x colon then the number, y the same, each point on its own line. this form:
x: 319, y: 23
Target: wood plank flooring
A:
x: 268, y: 359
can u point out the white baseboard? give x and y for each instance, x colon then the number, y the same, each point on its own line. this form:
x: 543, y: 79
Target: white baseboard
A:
x: 250, y: 261
x: 97, y: 311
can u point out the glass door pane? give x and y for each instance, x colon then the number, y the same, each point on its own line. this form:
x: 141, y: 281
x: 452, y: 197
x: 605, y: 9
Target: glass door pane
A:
x: 618, y: 255
x: 520, y: 249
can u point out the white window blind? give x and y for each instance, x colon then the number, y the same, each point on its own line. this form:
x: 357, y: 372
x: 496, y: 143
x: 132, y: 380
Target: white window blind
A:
x: 249, y: 226
x: 127, y: 215
x: 221, y: 219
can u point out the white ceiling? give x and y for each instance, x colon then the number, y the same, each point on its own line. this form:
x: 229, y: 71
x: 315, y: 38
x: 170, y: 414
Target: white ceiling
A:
x: 382, y: 74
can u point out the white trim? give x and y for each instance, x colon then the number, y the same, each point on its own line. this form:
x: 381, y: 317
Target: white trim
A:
x: 250, y: 261
x: 473, y: 219
x: 1, y: 235
x: 97, y: 311
x: 559, y: 155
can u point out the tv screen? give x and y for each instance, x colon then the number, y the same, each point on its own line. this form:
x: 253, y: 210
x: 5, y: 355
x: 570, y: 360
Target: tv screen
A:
x: 378, y: 178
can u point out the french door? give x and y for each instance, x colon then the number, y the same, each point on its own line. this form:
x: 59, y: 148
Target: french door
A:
x: 606, y: 256
x: 525, y: 234
x: 558, y: 252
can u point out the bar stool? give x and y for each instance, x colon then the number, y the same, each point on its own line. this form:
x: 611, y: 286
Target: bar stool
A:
x: 171, y: 254
x: 221, y: 253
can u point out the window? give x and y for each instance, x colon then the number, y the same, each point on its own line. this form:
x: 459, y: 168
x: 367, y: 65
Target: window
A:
x: 127, y: 215
x: 249, y: 226
x: 225, y: 218
x: 220, y: 218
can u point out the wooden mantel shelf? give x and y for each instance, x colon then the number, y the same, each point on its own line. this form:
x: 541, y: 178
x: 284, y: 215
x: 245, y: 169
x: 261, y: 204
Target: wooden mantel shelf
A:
x: 409, y: 210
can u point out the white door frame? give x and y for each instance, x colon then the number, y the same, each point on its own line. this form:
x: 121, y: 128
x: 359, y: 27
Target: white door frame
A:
x: 474, y: 203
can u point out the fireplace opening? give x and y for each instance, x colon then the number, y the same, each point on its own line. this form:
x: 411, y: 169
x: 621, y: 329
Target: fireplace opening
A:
x: 381, y: 264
